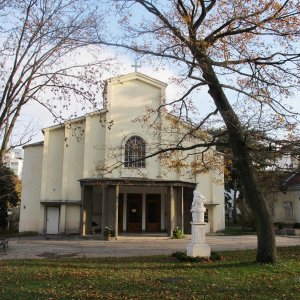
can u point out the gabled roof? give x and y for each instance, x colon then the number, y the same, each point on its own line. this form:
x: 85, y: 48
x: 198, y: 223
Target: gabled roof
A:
x: 34, y: 145
x: 118, y: 79
x: 138, y: 76
x: 78, y: 119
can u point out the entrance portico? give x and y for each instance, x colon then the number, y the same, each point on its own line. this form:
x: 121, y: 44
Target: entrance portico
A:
x: 135, y: 205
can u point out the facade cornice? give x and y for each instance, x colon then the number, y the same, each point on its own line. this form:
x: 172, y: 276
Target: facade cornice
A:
x: 136, y: 181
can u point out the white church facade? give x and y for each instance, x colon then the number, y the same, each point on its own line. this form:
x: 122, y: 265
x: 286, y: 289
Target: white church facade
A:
x: 89, y: 173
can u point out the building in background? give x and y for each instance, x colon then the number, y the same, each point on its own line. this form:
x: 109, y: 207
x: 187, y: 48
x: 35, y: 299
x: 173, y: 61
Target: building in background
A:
x: 285, y: 203
x: 13, y: 159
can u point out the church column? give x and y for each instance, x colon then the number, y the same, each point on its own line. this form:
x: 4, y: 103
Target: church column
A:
x: 213, y: 219
x: 104, y: 195
x: 82, y: 229
x: 172, y: 210
x: 43, y: 210
x: 144, y: 212
x: 125, y: 212
x: 117, y: 210
x: 64, y: 184
x: 87, y: 147
x: 182, y: 211
x: 65, y: 166
x: 42, y: 220
x: 162, y: 210
x: 83, y: 222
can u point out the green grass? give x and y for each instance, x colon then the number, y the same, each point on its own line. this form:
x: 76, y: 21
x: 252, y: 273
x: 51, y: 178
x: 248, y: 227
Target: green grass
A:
x: 156, y: 277
x: 237, y: 230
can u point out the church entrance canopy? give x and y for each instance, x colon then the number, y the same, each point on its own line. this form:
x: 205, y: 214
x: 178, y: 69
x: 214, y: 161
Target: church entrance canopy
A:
x: 135, y: 205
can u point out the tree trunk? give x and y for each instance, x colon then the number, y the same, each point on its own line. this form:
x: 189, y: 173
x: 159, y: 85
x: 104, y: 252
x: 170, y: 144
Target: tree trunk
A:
x: 9, y: 126
x: 266, y: 246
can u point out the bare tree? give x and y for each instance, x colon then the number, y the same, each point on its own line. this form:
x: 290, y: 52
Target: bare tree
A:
x: 39, y: 58
x: 5, y: 3
x: 245, y: 54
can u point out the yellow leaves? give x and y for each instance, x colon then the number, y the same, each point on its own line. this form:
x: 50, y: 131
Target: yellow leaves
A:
x: 227, y: 171
x: 174, y: 161
x: 187, y: 164
x: 209, y: 161
x: 186, y: 19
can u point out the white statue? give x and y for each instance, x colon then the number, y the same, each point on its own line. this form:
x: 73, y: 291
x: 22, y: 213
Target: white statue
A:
x: 198, y: 208
x: 198, y: 247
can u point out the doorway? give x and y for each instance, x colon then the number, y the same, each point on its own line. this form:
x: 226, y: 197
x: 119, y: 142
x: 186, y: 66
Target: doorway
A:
x: 153, y: 212
x: 134, y: 212
x: 52, y: 221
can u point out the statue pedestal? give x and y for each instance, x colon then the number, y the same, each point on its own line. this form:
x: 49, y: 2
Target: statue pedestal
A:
x: 198, y: 247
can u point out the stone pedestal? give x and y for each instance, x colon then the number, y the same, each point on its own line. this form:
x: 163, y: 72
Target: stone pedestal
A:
x: 198, y: 247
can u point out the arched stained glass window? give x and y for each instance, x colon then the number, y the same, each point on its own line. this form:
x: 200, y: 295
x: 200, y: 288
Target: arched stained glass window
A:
x: 135, y: 150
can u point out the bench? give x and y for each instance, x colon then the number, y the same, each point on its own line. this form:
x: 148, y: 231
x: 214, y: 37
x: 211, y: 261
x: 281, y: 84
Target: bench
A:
x: 4, y: 244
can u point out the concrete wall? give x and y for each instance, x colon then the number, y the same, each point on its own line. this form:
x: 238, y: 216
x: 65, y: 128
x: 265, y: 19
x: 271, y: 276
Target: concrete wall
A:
x: 31, y: 189
x: 72, y: 219
x: 73, y: 161
x: 94, y: 146
x: 53, y: 160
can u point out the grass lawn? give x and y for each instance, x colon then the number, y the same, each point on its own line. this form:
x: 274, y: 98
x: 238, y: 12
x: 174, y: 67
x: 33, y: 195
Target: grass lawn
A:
x: 156, y: 277
x: 237, y: 230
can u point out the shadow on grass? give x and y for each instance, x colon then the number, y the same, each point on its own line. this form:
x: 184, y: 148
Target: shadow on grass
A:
x: 150, y: 263
x: 232, y: 259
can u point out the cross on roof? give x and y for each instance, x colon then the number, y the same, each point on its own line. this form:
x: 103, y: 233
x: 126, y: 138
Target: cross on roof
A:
x: 136, y: 66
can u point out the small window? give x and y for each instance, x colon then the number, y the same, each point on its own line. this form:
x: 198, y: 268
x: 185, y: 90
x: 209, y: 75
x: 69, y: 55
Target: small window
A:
x: 135, y: 150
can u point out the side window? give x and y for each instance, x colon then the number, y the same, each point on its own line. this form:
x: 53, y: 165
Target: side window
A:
x: 135, y: 150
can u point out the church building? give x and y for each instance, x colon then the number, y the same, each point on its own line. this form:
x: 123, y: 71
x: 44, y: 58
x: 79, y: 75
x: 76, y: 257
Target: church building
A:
x: 90, y: 172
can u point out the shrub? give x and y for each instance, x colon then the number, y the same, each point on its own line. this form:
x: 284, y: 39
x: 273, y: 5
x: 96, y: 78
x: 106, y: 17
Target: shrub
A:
x: 108, y: 231
x: 177, y: 233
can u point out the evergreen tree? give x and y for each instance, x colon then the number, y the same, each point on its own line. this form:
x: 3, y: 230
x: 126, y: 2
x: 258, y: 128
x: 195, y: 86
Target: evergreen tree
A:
x: 8, y: 193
